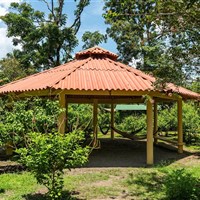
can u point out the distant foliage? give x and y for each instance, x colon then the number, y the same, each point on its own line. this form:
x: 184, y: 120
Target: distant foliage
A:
x: 47, y: 155
x: 167, y: 121
x: 133, y: 122
x: 104, y: 115
x: 11, y: 70
x: 92, y: 39
x: 79, y: 116
x: 181, y: 185
x: 167, y: 118
x: 157, y: 36
x: 17, y: 118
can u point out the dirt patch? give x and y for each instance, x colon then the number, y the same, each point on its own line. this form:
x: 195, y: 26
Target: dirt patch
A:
x: 106, y: 183
x: 127, y: 153
x: 121, y: 153
x: 190, y: 160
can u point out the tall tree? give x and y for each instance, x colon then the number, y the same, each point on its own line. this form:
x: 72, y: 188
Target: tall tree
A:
x: 46, y: 40
x: 11, y: 70
x: 162, y: 35
x: 91, y: 39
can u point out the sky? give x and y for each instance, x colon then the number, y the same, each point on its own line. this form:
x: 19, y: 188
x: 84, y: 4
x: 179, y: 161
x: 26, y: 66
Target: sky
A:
x: 91, y: 20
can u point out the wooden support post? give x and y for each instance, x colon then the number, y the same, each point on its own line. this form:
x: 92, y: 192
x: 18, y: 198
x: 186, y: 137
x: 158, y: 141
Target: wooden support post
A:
x: 62, y: 117
x: 149, y: 133
x: 155, y: 127
x: 66, y: 116
x: 9, y: 149
x: 112, y: 121
x: 95, y: 120
x: 180, y: 126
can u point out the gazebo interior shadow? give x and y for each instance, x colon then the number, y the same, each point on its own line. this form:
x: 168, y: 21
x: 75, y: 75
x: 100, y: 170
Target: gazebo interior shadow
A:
x: 122, y: 152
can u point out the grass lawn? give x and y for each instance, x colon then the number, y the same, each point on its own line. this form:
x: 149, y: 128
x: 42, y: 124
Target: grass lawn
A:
x: 100, y: 183
x: 138, y: 183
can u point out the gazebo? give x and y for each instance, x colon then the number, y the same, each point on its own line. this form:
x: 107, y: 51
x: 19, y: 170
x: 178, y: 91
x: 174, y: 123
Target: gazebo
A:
x: 96, y: 77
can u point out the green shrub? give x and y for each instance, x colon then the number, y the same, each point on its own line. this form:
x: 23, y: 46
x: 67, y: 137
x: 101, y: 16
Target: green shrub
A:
x: 132, y: 123
x: 104, y: 117
x: 24, y: 116
x: 181, y: 185
x: 47, y: 155
x: 79, y: 116
x: 167, y: 121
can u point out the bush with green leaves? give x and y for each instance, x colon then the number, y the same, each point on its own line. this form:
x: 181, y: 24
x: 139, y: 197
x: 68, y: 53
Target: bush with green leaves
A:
x: 79, y: 116
x: 17, y: 118
x: 47, y: 155
x: 133, y: 122
x: 167, y: 120
x: 181, y: 185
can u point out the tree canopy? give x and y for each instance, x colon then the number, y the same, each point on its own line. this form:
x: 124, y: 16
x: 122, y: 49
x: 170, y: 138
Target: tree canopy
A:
x: 10, y: 70
x: 46, y: 39
x: 163, y: 36
x: 91, y: 39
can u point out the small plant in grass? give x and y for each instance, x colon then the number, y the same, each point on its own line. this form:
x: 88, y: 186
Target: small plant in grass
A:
x: 47, y: 155
x: 181, y: 185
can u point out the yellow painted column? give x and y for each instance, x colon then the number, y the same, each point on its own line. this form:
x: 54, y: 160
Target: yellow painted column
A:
x: 150, y: 156
x: 95, y: 120
x: 155, y: 127
x: 180, y: 126
x: 66, y: 115
x: 62, y: 117
x: 9, y: 148
x: 112, y: 121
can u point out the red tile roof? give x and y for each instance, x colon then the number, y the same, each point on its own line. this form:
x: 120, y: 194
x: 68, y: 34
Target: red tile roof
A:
x: 93, y: 69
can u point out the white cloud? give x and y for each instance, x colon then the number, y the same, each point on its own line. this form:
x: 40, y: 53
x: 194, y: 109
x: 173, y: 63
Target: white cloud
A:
x: 3, y: 10
x: 6, y: 3
x: 5, y: 42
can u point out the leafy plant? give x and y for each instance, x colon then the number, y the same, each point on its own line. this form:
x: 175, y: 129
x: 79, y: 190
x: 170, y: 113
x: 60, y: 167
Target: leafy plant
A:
x: 24, y: 116
x: 47, y: 155
x: 167, y: 121
x: 181, y: 185
x: 91, y: 39
x: 158, y: 35
x: 79, y: 116
x: 47, y: 39
x: 133, y: 122
x: 104, y: 116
